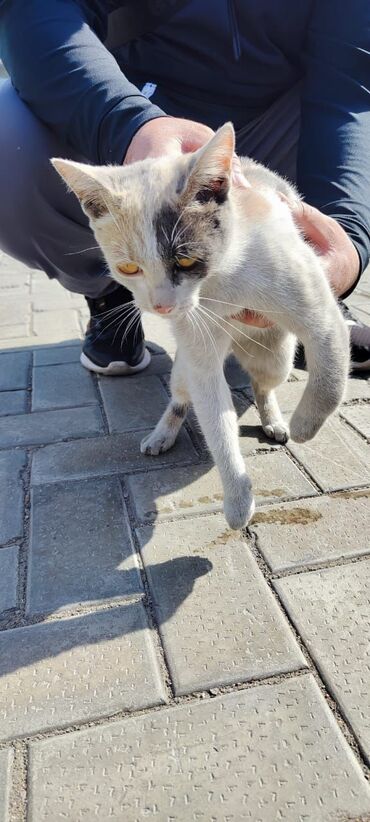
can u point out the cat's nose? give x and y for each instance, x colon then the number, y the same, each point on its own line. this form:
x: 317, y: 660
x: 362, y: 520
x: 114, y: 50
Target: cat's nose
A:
x: 163, y: 309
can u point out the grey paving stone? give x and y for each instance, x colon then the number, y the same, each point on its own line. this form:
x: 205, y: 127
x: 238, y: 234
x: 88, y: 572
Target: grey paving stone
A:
x: 251, y: 435
x: 13, y: 310
x: 114, y: 454
x: 62, y: 386
x: 8, y: 577
x: 311, y: 532
x: 12, y: 402
x: 6, y: 761
x: 81, y: 549
x: 43, y: 427
x: 331, y: 611
x: 72, y: 670
x: 57, y: 326
x: 197, y: 488
x: 206, y: 584
x: 258, y: 755
x: 56, y: 354
x: 357, y: 389
x: 133, y: 403
x: 359, y: 417
x: 336, y: 457
x: 14, y: 370
x: 11, y: 495
x: 13, y: 332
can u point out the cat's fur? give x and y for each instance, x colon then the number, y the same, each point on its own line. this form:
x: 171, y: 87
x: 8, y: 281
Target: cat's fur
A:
x: 249, y: 253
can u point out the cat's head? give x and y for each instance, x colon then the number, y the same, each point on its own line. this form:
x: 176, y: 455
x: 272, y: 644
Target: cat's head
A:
x: 163, y: 224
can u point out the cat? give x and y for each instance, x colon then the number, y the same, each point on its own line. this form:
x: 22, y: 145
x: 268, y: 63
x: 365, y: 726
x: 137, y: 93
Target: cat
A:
x: 196, y: 249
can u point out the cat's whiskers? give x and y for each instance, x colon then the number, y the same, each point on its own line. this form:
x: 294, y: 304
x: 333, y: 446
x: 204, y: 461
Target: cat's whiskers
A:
x: 173, y: 232
x: 124, y: 314
x: 198, y: 326
x: 122, y: 319
x: 83, y: 251
x: 238, y: 330
x: 114, y: 310
x: 134, y: 319
x: 206, y: 326
x: 200, y: 308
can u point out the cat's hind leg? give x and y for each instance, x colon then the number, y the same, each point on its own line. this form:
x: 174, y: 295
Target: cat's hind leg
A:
x: 168, y: 427
x: 268, y: 367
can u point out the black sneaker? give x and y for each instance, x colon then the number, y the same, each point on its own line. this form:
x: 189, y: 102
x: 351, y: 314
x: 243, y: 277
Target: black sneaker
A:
x: 114, y: 341
x: 360, y: 341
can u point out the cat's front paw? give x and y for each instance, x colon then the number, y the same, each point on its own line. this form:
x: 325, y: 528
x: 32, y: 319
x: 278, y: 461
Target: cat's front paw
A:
x: 278, y: 431
x: 157, y: 442
x: 239, y: 504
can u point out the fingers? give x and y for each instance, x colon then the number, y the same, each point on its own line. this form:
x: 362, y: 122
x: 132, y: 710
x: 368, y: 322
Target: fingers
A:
x: 252, y: 318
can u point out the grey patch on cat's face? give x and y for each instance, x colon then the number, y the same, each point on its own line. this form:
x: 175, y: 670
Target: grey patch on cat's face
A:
x: 191, y: 234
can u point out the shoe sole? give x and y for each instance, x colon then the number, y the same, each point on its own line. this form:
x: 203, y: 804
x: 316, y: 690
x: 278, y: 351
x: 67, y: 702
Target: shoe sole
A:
x: 116, y: 368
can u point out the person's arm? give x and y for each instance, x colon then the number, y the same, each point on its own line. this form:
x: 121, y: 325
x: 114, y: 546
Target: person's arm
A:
x: 334, y: 148
x: 61, y: 69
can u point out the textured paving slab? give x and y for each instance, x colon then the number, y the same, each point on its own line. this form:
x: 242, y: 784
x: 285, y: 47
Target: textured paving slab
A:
x: 114, y: 454
x: 13, y: 402
x: 197, y: 488
x: 8, y: 577
x: 86, y: 558
x: 311, y: 532
x: 62, y: 386
x: 133, y: 403
x: 262, y: 754
x: 251, y: 436
x: 331, y: 611
x: 50, y: 426
x: 359, y: 417
x: 73, y: 670
x: 357, y: 389
x: 206, y: 584
x: 6, y: 760
x: 56, y: 326
x: 54, y: 355
x: 336, y: 458
x: 11, y: 494
x: 14, y: 370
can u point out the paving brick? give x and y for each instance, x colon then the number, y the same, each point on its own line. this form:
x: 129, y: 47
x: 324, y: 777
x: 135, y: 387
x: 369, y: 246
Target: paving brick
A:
x: 75, y: 670
x: 197, y: 488
x: 45, y: 301
x: 50, y: 426
x: 6, y: 761
x: 114, y: 454
x: 206, y: 584
x: 133, y: 403
x: 335, y: 458
x: 84, y: 558
x: 8, y: 578
x: 13, y: 332
x: 158, y: 331
x: 56, y: 354
x: 13, y: 311
x: 331, y: 611
x: 311, y: 532
x: 359, y: 417
x: 270, y: 752
x: 13, y: 402
x: 57, y: 326
x: 251, y: 435
x: 11, y: 494
x: 62, y: 386
x: 14, y: 370
x: 357, y: 389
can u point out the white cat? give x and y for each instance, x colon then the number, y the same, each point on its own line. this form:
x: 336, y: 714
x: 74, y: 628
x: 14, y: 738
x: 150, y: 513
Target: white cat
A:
x: 196, y: 249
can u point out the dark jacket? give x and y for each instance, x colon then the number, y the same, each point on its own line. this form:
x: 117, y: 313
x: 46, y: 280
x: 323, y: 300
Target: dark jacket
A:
x: 212, y: 60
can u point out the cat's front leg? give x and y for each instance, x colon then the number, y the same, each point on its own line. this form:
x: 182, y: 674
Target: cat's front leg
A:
x: 214, y: 408
x: 168, y: 427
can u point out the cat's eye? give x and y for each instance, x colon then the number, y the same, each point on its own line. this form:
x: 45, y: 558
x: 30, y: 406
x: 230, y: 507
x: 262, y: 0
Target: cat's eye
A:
x: 185, y: 262
x: 128, y: 268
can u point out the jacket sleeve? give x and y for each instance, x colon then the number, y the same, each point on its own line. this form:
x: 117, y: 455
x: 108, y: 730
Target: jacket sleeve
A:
x: 333, y: 156
x: 63, y: 72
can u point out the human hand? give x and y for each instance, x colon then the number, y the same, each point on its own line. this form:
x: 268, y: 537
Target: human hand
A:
x: 339, y: 255
x: 167, y: 135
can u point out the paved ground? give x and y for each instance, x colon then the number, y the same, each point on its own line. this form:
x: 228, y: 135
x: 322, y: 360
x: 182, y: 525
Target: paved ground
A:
x: 155, y: 664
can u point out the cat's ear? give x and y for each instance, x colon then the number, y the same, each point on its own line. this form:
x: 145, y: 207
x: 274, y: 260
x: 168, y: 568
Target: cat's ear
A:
x: 211, y: 171
x: 87, y: 182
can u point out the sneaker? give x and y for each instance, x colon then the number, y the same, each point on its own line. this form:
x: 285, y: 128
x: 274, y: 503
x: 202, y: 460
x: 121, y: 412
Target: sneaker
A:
x: 114, y: 341
x: 360, y: 340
